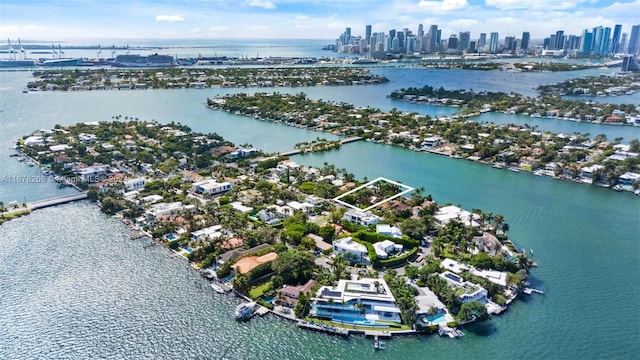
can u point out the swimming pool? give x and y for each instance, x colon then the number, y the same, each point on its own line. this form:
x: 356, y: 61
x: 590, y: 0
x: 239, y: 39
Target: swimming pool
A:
x: 438, y: 318
x: 356, y: 320
x: 171, y: 237
x: 268, y: 299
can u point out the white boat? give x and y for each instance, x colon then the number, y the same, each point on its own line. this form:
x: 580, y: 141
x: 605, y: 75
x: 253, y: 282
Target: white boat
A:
x: 245, y: 310
x: 217, y: 288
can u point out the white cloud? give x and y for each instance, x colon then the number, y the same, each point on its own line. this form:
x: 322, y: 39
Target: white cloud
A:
x: 302, y: 17
x: 463, y: 24
x: 169, y: 18
x: 267, y: 4
x: 538, y: 4
x: 443, y: 6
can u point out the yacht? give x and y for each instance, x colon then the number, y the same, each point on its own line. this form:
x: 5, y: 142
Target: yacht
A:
x: 245, y: 310
x: 217, y: 288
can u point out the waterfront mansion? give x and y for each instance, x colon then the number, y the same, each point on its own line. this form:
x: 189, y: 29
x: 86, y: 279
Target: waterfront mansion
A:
x: 364, y: 301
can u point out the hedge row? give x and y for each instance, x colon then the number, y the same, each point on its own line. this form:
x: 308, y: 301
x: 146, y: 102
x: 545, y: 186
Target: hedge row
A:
x: 393, y: 262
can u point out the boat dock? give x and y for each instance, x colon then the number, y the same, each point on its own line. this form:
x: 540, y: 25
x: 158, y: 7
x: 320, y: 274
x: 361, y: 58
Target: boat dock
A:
x: 262, y: 311
x: 322, y: 328
x: 57, y: 201
x: 530, y: 291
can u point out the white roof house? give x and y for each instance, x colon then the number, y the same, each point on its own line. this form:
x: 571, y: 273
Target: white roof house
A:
x: 211, y: 232
x: 348, y: 247
x: 361, y: 217
x: 337, y: 303
x: 135, y: 184
x: 586, y: 175
x: 211, y: 187
x: 383, y: 248
x: 389, y: 230
x: 628, y: 179
x: 164, y: 210
x: 448, y: 213
x: 472, y: 292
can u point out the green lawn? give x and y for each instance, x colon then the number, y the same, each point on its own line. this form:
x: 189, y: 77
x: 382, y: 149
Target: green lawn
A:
x: 259, y: 290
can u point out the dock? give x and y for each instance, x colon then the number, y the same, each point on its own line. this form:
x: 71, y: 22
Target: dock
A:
x: 530, y: 291
x: 262, y: 311
x: 323, y: 328
x: 57, y: 201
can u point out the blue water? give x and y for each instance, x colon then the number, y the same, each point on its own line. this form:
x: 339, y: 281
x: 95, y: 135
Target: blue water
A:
x: 269, y: 299
x: 171, y: 237
x: 346, y: 319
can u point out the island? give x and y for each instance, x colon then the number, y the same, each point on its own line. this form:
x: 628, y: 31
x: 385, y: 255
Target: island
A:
x: 602, y: 85
x: 180, y: 78
x: 575, y: 157
x: 550, y: 106
x: 312, y: 245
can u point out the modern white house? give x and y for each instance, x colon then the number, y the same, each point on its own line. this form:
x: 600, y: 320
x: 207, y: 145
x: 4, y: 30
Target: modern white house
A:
x: 363, y: 301
x: 92, y: 173
x: 431, y: 142
x: 350, y: 248
x: 210, y: 187
x: 389, y: 230
x: 627, y: 180
x: 135, y: 184
x: 466, y: 291
x: 586, y: 173
x: 361, y: 217
x: 211, y: 232
x: 386, y: 247
x: 166, y: 210
x: 448, y: 213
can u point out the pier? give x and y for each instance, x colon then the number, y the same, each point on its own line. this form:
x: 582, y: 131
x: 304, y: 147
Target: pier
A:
x: 298, y: 151
x: 56, y: 201
x: 530, y: 291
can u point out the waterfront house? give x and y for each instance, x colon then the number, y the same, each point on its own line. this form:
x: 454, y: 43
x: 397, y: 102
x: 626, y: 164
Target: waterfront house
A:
x: 466, y: 291
x: 363, y: 301
x: 447, y: 214
x: 351, y: 249
x: 431, y: 142
x: 288, y: 295
x: 587, y: 172
x: 360, y: 217
x: 87, y: 139
x: 628, y: 179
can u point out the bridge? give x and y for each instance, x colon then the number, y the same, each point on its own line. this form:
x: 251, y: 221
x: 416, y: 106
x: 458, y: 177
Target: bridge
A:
x: 56, y: 201
x: 298, y: 151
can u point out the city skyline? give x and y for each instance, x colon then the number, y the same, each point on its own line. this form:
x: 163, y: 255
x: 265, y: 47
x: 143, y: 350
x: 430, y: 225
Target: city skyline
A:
x: 306, y: 19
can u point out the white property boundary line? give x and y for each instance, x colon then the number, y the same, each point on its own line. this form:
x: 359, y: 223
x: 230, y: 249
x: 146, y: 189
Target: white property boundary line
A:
x: 407, y: 190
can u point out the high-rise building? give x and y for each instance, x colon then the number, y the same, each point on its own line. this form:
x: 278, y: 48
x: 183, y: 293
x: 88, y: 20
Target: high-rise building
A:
x: 464, y: 39
x: 596, y: 46
x: 629, y: 63
x: 482, y: 41
x: 493, y: 42
x: 420, y: 30
x: 559, y: 43
x: 367, y: 32
x: 604, y: 47
x: 433, y: 38
x: 615, y: 41
x: 634, y: 39
x: 510, y: 44
x: 585, y: 42
x: 623, y: 43
x: 452, y: 43
x: 524, y: 45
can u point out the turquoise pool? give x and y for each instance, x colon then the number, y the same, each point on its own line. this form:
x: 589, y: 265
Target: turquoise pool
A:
x: 438, y: 318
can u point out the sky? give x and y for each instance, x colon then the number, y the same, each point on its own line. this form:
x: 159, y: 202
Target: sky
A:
x: 60, y: 20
